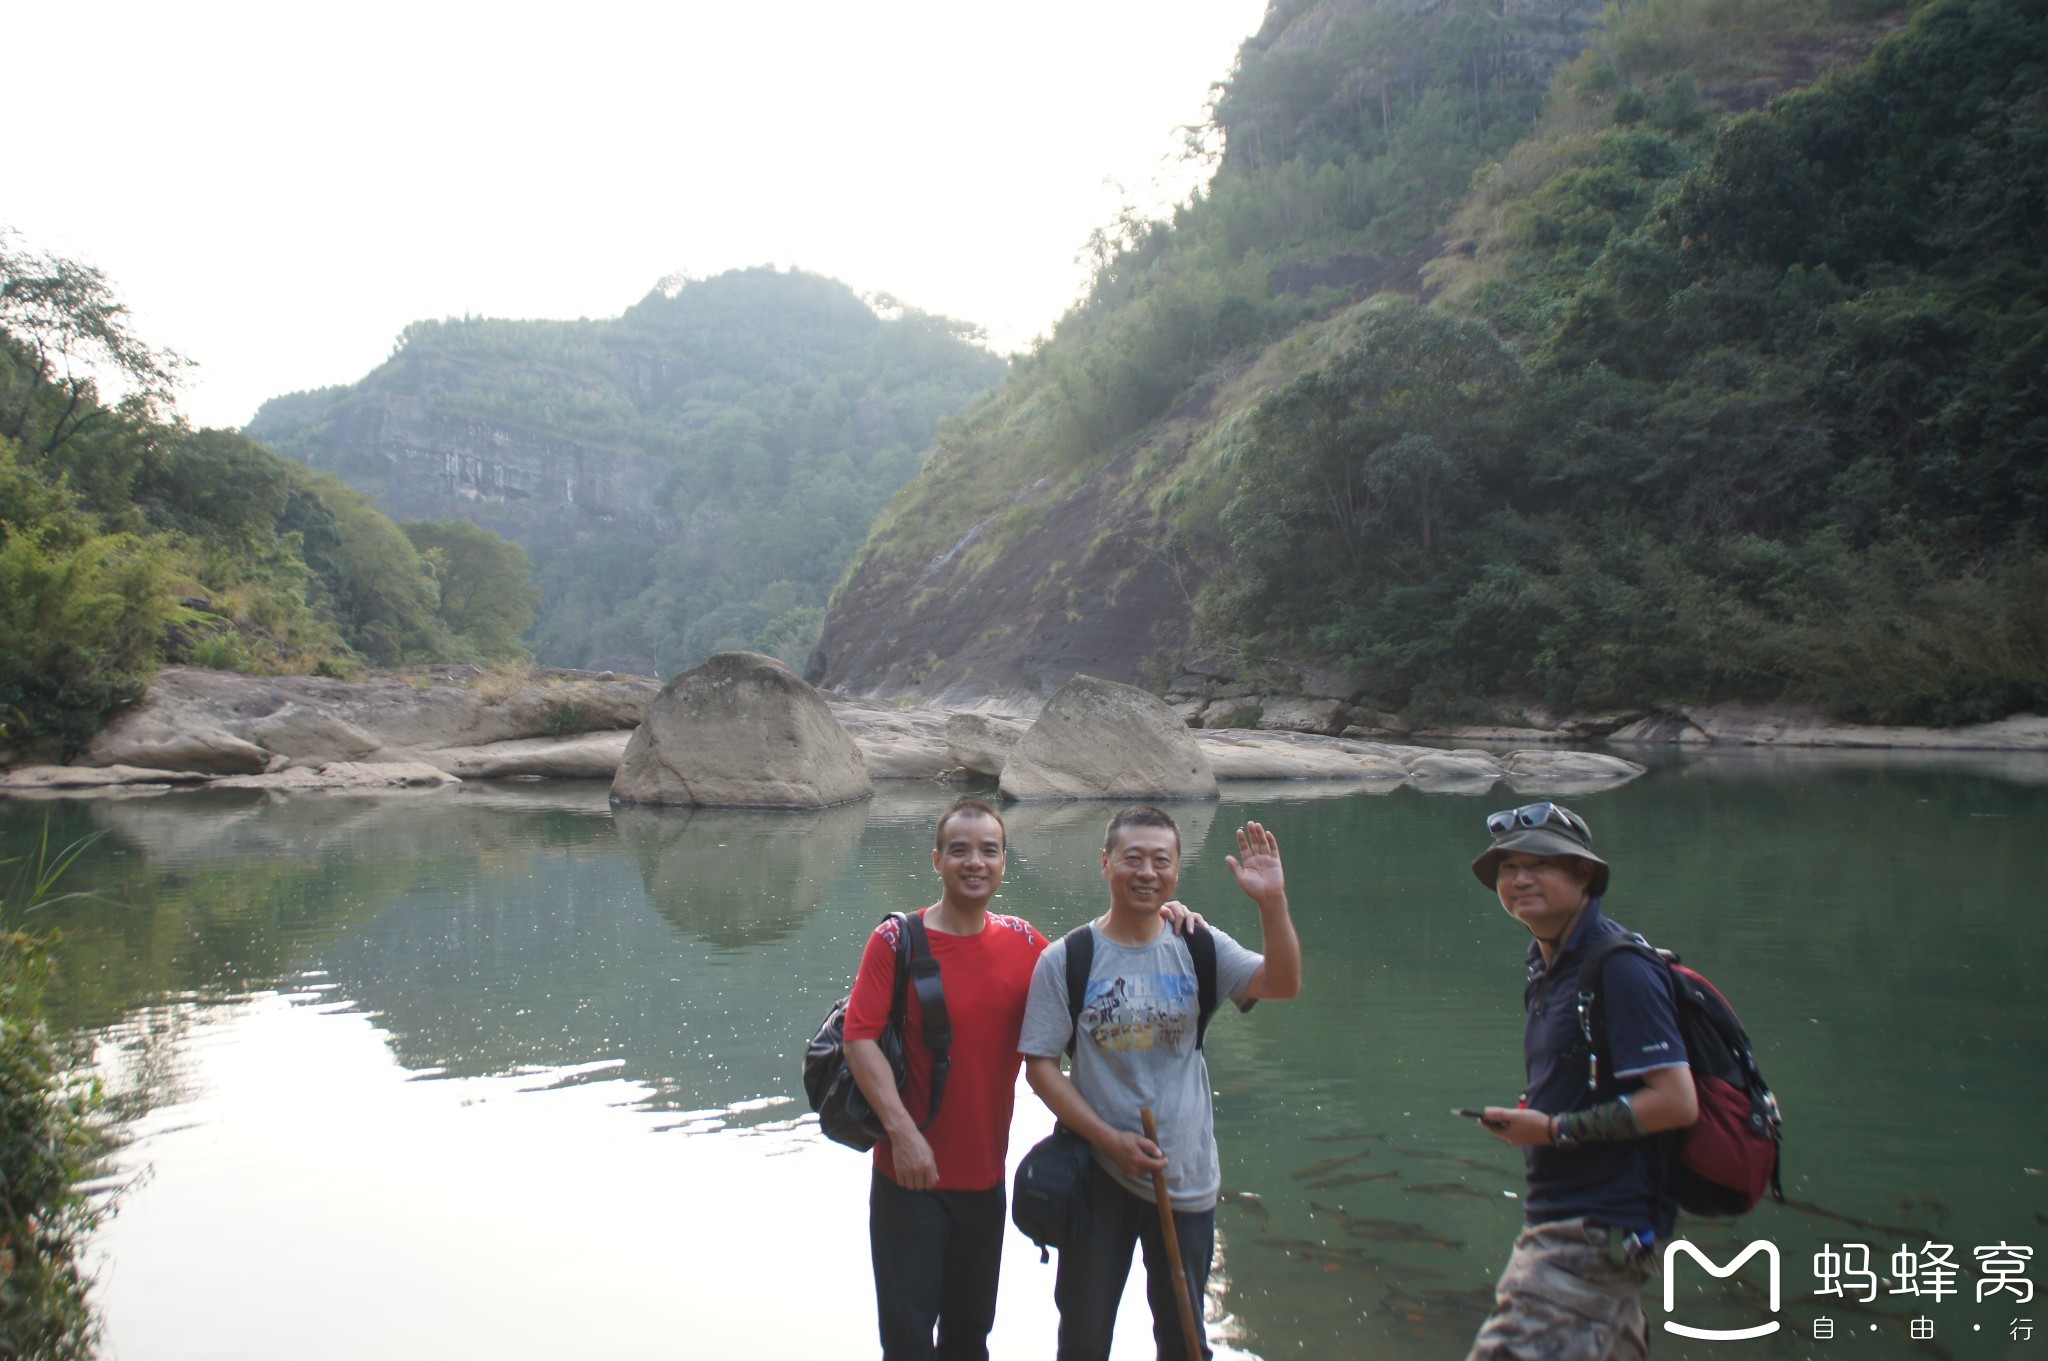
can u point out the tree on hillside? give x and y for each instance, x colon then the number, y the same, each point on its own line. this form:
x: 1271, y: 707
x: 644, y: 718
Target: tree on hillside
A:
x: 1351, y: 474
x: 373, y: 580
x: 68, y: 330
x: 80, y: 613
x: 487, y: 595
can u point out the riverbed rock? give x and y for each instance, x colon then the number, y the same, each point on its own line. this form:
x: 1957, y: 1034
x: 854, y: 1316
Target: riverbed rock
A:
x: 1455, y: 766
x: 897, y: 741
x: 1096, y: 739
x: 1232, y: 711
x: 1303, y: 714
x: 1569, y: 772
x: 584, y: 756
x: 172, y: 740
x: 981, y: 743
x: 1752, y: 725
x: 1493, y: 732
x: 1660, y: 729
x: 741, y: 731
x: 343, y: 776
x: 1240, y: 755
x: 223, y: 722
x: 32, y: 779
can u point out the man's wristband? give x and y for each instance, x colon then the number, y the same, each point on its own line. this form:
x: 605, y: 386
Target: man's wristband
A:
x: 1608, y: 1122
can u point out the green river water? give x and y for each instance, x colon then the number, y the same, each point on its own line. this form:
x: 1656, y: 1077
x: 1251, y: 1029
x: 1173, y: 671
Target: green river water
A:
x: 503, y: 1071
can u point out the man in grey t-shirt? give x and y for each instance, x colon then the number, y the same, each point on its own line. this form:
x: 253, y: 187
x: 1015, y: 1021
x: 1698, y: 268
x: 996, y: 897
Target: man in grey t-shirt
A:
x: 1137, y: 1047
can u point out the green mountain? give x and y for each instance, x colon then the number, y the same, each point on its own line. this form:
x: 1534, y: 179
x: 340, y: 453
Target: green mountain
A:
x: 689, y: 476
x: 1704, y: 364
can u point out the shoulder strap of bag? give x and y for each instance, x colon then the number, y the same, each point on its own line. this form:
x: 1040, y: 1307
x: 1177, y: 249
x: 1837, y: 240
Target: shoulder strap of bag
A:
x: 931, y: 1004
x: 1202, y: 947
x: 1080, y: 943
x: 897, y: 1011
x: 1592, y: 979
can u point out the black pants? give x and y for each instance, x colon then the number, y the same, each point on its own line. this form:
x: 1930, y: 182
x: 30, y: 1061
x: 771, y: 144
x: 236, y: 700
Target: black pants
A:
x: 1093, y: 1270
x: 938, y: 1255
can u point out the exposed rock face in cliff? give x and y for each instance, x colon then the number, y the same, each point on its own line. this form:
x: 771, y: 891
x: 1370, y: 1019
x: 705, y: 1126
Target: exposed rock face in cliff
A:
x: 1084, y: 591
x: 741, y: 731
x: 427, y: 464
x: 1096, y: 739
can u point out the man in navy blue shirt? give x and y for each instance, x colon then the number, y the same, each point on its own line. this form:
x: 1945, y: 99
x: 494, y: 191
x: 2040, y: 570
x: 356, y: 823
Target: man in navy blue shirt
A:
x: 1599, y: 1130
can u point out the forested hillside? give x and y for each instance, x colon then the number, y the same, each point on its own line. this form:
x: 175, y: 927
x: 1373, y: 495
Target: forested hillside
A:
x: 128, y: 539
x: 1706, y: 364
x: 690, y: 476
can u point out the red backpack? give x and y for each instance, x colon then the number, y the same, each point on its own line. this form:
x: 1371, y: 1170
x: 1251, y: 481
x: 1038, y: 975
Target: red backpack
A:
x: 1729, y: 1156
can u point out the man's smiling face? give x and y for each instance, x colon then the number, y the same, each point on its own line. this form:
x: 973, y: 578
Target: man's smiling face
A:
x: 970, y: 859
x: 1142, y: 868
x: 1542, y: 891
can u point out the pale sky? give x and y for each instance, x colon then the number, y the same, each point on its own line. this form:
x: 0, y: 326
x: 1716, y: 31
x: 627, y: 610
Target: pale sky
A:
x: 276, y: 189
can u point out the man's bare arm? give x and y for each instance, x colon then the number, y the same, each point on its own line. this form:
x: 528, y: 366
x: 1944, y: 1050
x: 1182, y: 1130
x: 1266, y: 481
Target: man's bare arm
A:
x: 1666, y: 1100
x: 916, y: 1168
x: 1135, y: 1156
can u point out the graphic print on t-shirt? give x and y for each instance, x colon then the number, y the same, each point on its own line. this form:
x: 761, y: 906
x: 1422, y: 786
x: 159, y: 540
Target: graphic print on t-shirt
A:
x: 1142, y: 1011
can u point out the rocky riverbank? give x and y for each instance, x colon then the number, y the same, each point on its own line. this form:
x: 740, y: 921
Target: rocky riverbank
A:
x: 220, y: 729
x: 1319, y: 701
x: 199, y: 728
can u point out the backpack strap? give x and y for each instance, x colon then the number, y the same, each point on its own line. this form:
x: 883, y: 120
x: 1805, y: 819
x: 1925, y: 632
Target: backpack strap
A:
x: 914, y: 957
x: 1080, y: 943
x: 1592, y: 1017
x: 1202, y: 946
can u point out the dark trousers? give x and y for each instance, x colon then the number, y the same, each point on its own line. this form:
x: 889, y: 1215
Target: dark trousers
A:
x: 1093, y: 1270
x: 937, y: 1258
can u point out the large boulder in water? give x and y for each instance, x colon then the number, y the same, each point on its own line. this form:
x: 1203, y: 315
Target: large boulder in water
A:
x: 741, y: 731
x: 1096, y: 739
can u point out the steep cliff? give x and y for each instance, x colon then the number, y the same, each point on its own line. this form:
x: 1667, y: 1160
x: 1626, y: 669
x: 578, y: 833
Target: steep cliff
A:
x: 537, y: 488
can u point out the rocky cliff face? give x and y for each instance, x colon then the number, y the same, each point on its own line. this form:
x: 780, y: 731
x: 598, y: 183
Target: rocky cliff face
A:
x: 1083, y: 591
x: 427, y: 464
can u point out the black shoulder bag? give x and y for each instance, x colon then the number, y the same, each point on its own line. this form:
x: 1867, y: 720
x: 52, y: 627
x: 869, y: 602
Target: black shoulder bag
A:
x: 843, y: 1111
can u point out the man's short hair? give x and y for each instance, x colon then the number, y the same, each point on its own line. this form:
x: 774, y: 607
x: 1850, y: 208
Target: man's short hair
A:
x: 1140, y: 815
x: 967, y: 806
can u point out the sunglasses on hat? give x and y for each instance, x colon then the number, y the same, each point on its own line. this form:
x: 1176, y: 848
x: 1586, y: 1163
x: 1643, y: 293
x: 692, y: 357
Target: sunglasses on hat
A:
x: 1536, y: 815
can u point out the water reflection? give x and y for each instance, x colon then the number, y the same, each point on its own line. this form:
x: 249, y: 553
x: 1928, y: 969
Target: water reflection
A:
x: 739, y: 877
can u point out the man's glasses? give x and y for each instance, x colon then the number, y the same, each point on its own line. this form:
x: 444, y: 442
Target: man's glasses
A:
x: 1536, y: 815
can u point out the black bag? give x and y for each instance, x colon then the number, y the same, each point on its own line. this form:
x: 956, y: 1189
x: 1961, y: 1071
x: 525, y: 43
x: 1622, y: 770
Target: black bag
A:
x: 1047, y: 1201
x: 843, y: 1112
x: 1729, y: 1156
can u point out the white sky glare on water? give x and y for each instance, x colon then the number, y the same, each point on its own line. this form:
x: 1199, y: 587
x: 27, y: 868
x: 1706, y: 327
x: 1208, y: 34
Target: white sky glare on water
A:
x: 276, y: 190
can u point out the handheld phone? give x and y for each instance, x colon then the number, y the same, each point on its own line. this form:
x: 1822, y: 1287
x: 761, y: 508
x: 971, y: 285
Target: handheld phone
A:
x: 1468, y: 1113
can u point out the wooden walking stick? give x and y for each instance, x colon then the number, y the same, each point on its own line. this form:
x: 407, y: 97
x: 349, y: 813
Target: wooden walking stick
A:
x: 1180, y: 1276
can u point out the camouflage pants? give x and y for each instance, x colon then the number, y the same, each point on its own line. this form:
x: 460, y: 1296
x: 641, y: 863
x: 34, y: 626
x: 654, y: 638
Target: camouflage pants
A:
x: 1565, y: 1297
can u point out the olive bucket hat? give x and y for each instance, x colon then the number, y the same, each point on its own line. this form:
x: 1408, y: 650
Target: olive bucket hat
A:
x: 1539, y: 829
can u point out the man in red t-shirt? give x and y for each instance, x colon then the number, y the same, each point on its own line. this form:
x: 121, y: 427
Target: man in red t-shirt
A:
x: 935, y: 1210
